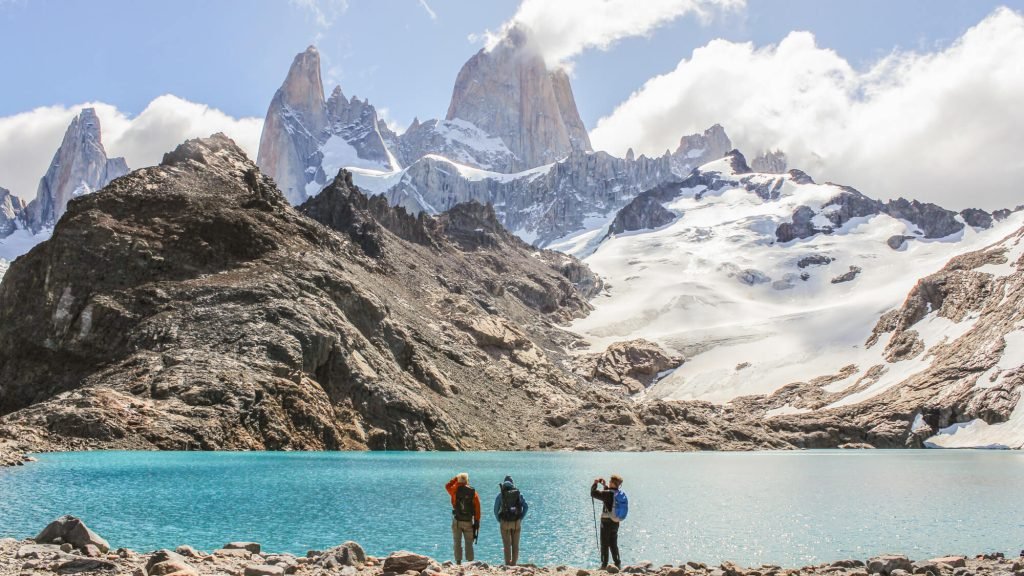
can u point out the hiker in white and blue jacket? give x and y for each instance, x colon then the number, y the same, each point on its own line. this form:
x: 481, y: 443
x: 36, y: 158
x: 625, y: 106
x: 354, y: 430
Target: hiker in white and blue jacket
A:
x: 510, y: 508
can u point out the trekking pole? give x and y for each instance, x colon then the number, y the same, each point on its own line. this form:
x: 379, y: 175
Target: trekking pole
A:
x: 597, y: 540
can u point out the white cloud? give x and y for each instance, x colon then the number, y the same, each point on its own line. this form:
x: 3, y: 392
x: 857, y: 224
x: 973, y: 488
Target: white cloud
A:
x: 430, y: 11
x: 941, y: 126
x: 29, y: 140
x: 566, y: 28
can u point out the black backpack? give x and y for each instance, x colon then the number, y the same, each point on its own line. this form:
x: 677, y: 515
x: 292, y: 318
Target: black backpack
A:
x: 511, y: 509
x: 464, y: 510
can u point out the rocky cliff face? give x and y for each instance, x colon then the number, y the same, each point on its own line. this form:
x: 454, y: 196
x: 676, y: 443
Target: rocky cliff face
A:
x: 509, y: 93
x: 540, y: 204
x: 11, y: 212
x: 79, y: 166
x: 188, y: 306
x: 305, y: 138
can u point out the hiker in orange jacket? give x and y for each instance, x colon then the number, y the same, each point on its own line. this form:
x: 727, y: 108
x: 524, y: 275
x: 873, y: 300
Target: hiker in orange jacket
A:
x: 465, y: 515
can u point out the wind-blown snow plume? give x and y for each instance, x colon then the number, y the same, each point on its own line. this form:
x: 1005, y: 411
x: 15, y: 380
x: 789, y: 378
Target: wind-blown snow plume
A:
x: 566, y: 28
x: 940, y: 126
x: 29, y: 139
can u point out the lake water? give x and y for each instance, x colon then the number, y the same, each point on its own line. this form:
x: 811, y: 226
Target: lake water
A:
x: 788, y: 508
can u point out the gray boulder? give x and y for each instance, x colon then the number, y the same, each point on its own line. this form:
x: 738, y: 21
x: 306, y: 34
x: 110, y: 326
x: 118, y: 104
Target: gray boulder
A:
x: 403, y: 561
x: 954, y: 561
x: 888, y: 563
x: 253, y: 547
x: 167, y: 563
x: 73, y: 531
x: 348, y: 554
x: 264, y: 570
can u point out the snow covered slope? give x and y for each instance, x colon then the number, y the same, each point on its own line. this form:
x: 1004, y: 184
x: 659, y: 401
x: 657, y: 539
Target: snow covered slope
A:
x: 752, y: 313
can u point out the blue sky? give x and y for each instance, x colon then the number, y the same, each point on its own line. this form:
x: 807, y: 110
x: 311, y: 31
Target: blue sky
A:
x: 914, y: 98
x: 233, y: 54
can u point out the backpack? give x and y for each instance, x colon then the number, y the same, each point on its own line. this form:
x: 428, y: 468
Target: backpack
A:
x: 510, y: 506
x: 464, y: 510
x: 620, y: 506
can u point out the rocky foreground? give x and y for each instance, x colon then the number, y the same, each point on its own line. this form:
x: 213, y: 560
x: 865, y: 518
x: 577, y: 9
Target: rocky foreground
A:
x: 67, y: 546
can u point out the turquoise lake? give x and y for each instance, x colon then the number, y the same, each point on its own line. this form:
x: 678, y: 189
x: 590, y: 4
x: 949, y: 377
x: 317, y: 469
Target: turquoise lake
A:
x: 787, y: 508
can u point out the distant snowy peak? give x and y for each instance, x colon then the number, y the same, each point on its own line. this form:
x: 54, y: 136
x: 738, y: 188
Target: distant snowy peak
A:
x: 458, y: 140
x: 307, y: 139
x: 79, y: 166
x: 770, y: 162
x: 698, y: 149
x: 509, y: 93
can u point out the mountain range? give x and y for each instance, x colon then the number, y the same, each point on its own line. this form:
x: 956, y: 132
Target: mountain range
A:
x: 488, y: 280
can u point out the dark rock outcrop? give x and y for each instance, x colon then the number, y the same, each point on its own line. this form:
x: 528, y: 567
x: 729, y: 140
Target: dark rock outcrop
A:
x: 848, y: 275
x: 800, y: 227
x: 814, y: 260
x: 935, y: 221
x: 897, y: 241
x: 976, y: 218
x: 643, y: 213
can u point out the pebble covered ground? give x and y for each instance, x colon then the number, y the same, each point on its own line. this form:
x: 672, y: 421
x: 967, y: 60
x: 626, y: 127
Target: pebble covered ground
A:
x: 67, y: 546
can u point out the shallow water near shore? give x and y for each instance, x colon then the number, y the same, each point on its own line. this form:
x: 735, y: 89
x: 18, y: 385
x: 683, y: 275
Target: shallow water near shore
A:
x: 786, y: 508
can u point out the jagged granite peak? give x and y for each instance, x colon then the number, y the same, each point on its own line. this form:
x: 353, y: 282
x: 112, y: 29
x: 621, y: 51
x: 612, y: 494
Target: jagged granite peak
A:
x: 303, y: 88
x: 79, y: 166
x: 770, y: 162
x: 306, y: 138
x: 11, y: 212
x: 698, y: 149
x: 509, y: 93
x: 295, y: 122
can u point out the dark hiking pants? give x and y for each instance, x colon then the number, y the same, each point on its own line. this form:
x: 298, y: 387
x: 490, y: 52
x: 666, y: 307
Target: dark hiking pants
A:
x: 610, y: 541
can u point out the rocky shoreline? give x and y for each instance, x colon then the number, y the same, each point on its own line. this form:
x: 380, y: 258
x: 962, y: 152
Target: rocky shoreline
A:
x: 67, y: 546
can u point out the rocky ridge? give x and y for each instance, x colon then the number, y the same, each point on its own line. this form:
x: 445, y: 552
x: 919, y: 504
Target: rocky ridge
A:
x: 188, y: 306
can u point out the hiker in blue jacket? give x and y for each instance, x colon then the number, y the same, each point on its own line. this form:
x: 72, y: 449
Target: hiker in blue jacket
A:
x: 609, y: 520
x: 510, y: 508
